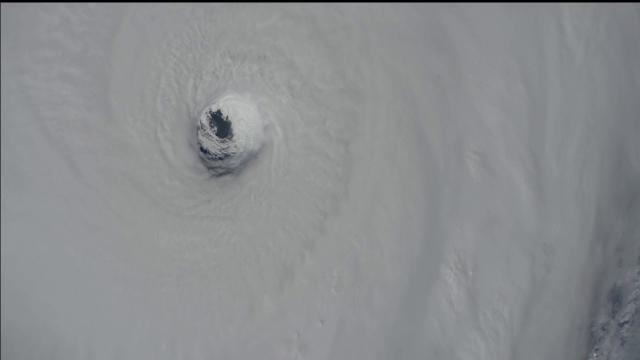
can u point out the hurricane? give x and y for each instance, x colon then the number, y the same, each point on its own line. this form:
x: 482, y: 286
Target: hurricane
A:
x: 320, y: 181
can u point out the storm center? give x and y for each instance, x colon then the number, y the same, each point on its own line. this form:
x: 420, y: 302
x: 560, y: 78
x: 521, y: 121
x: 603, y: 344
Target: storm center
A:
x: 230, y: 132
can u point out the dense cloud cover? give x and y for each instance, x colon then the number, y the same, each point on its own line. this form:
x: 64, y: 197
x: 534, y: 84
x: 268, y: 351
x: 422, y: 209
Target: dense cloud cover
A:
x: 400, y: 181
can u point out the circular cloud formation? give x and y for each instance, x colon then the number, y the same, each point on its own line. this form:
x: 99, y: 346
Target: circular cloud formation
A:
x: 230, y: 132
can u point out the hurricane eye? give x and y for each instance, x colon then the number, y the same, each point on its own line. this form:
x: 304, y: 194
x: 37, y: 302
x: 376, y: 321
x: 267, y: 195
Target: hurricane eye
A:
x: 221, y: 124
x: 230, y: 132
